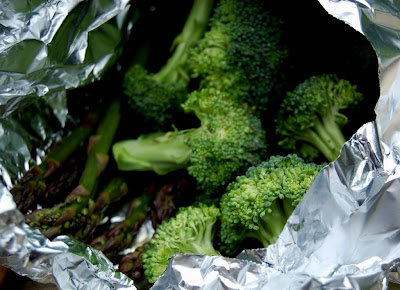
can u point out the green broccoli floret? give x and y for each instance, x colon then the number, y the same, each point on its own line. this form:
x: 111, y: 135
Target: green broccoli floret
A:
x: 191, y: 231
x: 229, y: 139
x: 158, y: 96
x: 241, y: 52
x: 311, y: 114
x: 258, y: 204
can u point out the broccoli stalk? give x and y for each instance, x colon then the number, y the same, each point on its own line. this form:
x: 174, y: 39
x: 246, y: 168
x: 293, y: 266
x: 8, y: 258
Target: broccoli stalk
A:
x: 310, y: 114
x: 190, y: 231
x: 229, y: 139
x: 157, y: 96
x: 241, y: 52
x: 258, y: 204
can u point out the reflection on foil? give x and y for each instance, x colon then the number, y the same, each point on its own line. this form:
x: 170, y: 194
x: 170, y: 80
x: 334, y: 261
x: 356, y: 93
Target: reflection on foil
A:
x: 64, y: 261
x: 50, y: 46
x: 47, y: 47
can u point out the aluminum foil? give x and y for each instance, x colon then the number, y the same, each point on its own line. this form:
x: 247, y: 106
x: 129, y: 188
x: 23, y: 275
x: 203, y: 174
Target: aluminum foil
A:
x: 47, y: 47
x: 345, y: 233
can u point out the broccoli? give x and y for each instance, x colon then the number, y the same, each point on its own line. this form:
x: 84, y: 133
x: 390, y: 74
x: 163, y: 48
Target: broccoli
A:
x: 158, y: 96
x: 241, y: 52
x: 230, y: 138
x: 311, y: 114
x: 191, y: 230
x: 258, y: 204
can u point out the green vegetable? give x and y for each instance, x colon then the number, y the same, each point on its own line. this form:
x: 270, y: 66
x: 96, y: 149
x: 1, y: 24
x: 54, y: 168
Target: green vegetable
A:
x: 158, y: 96
x: 258, y: 203
x: 190, y: 231
x: 311, y: 113
x: 229, y: 139
x: 72, y: 213
x: 121, y: 235
x: 242, y: 51
x: 34, y: 185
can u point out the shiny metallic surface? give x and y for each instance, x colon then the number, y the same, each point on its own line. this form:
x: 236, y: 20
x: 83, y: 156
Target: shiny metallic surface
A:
x: 345, y: 233
x: 47, y: 46
x: 64, y: 261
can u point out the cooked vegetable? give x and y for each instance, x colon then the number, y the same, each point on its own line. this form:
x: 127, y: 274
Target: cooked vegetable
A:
x: 229, y: 139
x: 311, y: 113
x: 190, y: 231
x: 242, y: 52
x: 258, y: 204
x: 34, y: 185
x: 53, y: 220
x: 158, y: 96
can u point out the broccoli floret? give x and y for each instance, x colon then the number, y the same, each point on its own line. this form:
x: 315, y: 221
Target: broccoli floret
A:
x: 311, y: 113
x: 158, y: 96
x: 258, y: 204
x: 241, y: 52
x: 191, y: 231
x: 229, y: 139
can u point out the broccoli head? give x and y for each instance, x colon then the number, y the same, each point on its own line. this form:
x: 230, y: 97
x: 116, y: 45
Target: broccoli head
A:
x: 229, y: 139
x: 190, y: 231
x: 158, y: 96
x: 155, y: 99
x: 311, y: 114
x: 258, y: 203
x: 241, y: 52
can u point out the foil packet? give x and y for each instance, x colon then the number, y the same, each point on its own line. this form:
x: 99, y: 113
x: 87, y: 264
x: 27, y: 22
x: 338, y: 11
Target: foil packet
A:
x: 344, y: 234
x: 47, y: 48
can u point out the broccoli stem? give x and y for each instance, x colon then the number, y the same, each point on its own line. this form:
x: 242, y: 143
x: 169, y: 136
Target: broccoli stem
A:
x: 326, y: 136
x: 193, y: 30
x: 334, y: 131
x: 203, y: 245
x: 160, y: 152
x: 270, y: 225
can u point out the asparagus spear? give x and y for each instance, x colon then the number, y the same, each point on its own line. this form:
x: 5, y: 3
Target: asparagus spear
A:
x: 168, y: 198
x: 131, y: 265
x: 33, y: 184
x: 122, y: 234
x: 112, y: 192
x: 64, y: 180
x: 52, y: 221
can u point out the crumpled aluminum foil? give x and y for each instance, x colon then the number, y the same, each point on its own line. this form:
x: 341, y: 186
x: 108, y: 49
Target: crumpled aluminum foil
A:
x: 344, y: 234
x: 47, y: 47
